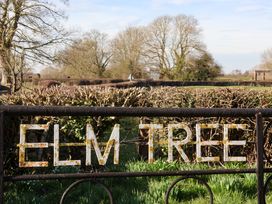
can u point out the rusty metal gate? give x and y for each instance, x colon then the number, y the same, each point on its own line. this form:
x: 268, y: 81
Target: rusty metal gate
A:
x: 258, y: 114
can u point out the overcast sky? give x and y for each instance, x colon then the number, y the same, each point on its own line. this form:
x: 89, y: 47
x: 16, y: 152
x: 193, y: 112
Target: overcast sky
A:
x: 236, y: 32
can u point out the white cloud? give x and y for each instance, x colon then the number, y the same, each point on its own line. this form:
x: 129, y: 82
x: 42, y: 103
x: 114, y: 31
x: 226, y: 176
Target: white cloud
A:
x: 235, y: 38
x: 180, y: 1
x: 109, y: 19
x: 159, y: 3
x: 249, y: 8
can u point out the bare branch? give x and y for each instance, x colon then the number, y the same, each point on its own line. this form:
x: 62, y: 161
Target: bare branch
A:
x: 28, y: 28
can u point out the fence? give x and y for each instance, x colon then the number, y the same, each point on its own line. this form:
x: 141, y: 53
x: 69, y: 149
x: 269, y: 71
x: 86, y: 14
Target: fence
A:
x: 260, y: 170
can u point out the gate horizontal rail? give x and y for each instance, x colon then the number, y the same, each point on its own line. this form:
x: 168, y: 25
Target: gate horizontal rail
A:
x: 131, y: 174
x: 15, y: 110
x: 134, y: 112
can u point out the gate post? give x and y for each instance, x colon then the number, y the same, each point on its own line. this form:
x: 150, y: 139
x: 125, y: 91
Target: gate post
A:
x: 260, y: 161
x: 1, y: 157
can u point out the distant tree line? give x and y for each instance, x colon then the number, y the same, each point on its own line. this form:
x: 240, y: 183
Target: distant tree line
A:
x: 170, y: 47
x: 31, y: 33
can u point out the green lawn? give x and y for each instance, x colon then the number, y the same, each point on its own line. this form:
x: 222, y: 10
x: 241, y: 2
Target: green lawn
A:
x: 231, y: 189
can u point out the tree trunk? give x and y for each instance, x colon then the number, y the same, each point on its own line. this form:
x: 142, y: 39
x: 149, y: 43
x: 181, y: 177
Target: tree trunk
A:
x: 4, y: 80
x: 13, y: 83
x: 3, y: 66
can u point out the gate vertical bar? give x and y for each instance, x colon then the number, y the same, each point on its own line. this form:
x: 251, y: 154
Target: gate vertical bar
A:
x: 260, y: 161
x: 1, y: 157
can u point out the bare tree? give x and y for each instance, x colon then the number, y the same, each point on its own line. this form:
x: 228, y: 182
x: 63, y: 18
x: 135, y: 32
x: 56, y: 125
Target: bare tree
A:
x: 171, y: 40
x: 127, y: 50
x: 267, y: 59
x: 157, y: 49
x: 28, y: 28
x: 15, y: 62
x: 86, y: 57
x: 185, y: 42
x: 102, y: 54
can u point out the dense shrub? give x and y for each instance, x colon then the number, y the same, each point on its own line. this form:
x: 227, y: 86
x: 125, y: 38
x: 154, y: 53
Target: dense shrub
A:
x: 150, y: 97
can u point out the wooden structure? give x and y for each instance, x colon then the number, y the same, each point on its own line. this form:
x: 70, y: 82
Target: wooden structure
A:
x: 261, y: 72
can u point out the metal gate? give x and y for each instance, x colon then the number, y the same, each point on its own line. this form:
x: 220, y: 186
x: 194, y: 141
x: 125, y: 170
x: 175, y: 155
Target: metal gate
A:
x: 258, y: 114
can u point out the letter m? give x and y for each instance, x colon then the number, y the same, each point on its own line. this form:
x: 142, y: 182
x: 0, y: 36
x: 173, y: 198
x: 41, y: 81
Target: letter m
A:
x: 91, y: 140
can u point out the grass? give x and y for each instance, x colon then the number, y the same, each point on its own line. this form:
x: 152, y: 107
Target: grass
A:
x: 231, y: 189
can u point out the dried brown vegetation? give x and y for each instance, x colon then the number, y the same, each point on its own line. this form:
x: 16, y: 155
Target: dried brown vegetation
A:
x: 150, y: 97
x: 164, y: 97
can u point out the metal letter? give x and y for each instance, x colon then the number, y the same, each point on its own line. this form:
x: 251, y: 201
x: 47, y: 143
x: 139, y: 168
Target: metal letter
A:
x: 178, y: 144
x: 228, y: 143
x: 151, y: 129
x: 57, y: 162
x: 114, y: 140
x: 23, y: 145
x: 200, y: 143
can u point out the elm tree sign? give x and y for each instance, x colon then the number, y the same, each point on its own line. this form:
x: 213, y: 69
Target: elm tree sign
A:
x: 93, y: 148
x: 114, y: 141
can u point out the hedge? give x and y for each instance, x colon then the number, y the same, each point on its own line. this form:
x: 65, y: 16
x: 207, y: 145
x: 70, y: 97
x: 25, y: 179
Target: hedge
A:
x: 144, y: 97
